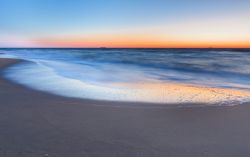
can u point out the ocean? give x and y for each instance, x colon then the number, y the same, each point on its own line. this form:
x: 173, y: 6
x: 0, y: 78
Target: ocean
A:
x: 136, y: 75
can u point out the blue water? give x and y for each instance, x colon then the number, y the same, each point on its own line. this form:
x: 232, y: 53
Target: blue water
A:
x: 224, y: 68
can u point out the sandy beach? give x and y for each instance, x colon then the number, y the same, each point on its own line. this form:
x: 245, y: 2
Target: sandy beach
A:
x: 34, y: 123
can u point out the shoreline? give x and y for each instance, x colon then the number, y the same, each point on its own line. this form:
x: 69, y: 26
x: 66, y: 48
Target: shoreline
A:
x: 150, y: 93
x: 6, y: 62
x: 35, y: 123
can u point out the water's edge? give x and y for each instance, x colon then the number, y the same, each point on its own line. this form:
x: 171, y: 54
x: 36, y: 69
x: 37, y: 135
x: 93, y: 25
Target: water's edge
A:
x: 65, y: 75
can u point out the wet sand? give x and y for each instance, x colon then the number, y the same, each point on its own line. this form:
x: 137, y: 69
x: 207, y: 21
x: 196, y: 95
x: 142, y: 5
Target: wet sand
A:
x: 34, y: 123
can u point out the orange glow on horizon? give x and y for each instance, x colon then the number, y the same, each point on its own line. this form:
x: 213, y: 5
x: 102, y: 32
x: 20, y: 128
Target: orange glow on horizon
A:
x: 228, y: 32
x: 136, y: 43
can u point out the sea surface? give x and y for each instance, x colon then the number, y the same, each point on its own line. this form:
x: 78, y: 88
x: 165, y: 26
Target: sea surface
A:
x: 113, y: 74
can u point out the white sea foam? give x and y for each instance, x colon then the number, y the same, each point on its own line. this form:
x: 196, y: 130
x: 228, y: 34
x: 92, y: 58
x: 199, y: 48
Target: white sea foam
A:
x: 42, y: 77
x: 92, y: 84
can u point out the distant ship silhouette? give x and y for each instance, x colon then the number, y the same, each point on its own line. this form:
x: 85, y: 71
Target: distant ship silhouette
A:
x: 103, y: 47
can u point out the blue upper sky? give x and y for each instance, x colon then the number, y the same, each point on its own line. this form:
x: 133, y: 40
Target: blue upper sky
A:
x: 26, y: 22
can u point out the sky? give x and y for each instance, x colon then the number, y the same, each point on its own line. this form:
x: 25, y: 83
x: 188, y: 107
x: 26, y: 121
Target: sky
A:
x: 125, y: 23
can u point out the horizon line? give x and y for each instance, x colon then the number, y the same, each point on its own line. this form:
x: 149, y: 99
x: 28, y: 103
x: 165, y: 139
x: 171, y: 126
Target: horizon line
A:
x: 124, y: 47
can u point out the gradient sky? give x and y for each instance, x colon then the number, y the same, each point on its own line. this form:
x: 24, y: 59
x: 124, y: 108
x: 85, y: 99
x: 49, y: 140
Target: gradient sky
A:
x: 125, y: 23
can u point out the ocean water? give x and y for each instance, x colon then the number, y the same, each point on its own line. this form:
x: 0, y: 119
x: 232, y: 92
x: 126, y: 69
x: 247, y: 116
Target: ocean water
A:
x: 131, y: 74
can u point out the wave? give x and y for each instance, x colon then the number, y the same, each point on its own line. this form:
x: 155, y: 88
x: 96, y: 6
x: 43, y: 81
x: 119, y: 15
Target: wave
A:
x: 39, y: 75
x: 144, y: 75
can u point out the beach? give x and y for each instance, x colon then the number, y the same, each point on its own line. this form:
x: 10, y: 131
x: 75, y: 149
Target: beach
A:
x: 35, y: 123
